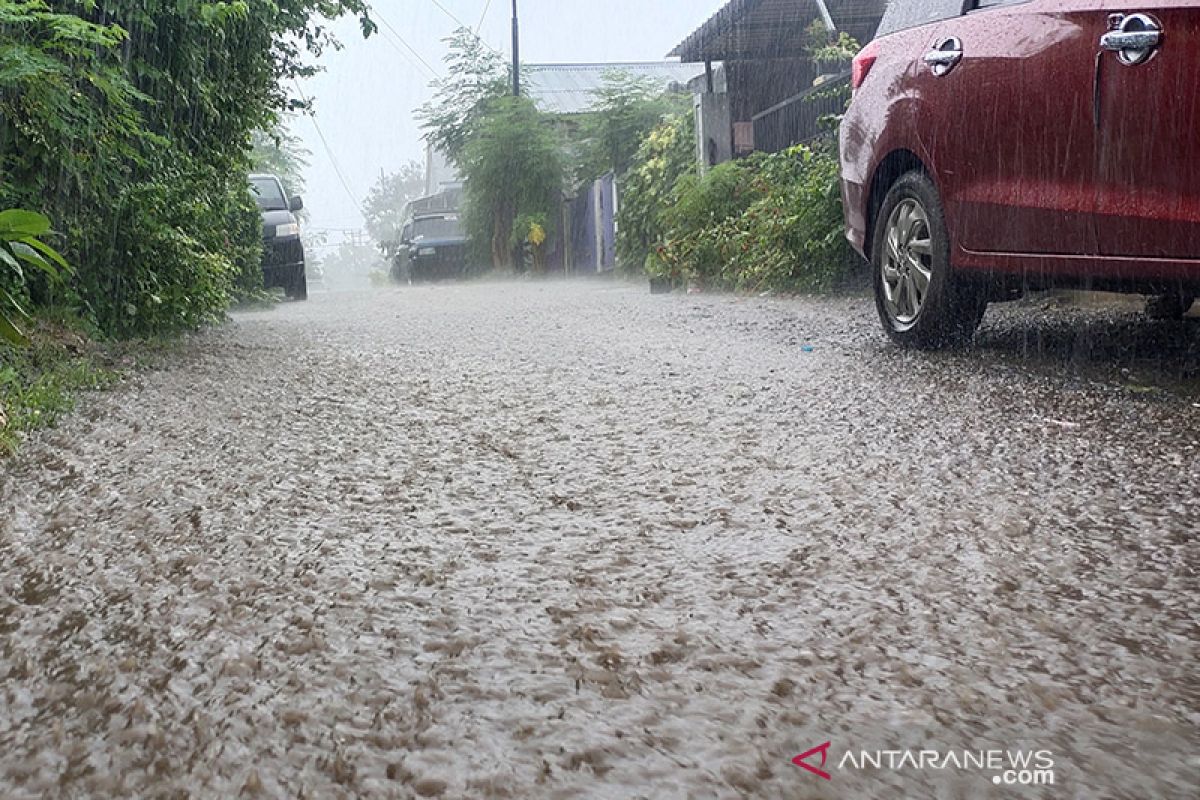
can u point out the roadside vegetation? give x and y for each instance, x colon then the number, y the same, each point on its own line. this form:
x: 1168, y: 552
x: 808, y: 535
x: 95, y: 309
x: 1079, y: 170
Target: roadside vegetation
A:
x: 129, y: 127
x: 766, y: 222
x: 519, y: 162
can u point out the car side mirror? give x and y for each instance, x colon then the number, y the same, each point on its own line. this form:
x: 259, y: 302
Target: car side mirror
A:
x: 296, y: 203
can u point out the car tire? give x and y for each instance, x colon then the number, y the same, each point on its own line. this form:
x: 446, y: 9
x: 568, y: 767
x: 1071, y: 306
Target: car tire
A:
x: 298, y: 286
x: 1171, y: 306
x: 921, y: 301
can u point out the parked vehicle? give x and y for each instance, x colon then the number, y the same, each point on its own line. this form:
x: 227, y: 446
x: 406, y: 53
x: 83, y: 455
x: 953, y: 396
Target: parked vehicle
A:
x: 283, y: 252
x: 994, y: 146
x: 432, y: 247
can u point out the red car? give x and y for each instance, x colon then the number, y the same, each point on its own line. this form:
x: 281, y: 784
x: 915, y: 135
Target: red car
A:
x: 995, y: 146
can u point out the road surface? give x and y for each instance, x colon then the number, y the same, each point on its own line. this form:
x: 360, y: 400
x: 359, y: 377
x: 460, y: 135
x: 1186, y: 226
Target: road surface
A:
x: 572, y: 540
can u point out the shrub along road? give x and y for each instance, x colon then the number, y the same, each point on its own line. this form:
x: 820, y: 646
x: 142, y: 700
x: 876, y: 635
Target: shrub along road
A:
x: 575, y: 540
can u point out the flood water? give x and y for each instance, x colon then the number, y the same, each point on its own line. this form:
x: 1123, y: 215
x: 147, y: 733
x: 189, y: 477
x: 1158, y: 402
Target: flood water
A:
x: 574, y: 540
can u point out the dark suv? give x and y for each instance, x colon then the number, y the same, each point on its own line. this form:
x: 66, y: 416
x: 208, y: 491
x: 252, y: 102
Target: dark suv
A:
x: 283, y: 252
x: 433, y: 246
x: 994, y: 146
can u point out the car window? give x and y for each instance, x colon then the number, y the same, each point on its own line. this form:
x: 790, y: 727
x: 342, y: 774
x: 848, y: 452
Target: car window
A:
x: 268, y: 194
x: 904, y: 14
x: 437, y: 228
x: 983, y: 5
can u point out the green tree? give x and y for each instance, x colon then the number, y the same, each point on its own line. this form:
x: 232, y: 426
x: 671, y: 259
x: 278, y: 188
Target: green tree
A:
x: 628, y: 108
x: 476, y: 75
x: 281, y: 153
x: 513, y: 169
x: 385, y: 204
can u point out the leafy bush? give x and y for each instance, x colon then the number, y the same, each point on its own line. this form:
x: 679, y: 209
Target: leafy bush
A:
x: 766, y: 222
x: 666, y: 155
x: 20, y: 247
x: 129, y: 124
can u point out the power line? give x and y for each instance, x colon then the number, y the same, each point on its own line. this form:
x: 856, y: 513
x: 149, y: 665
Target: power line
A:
x: 328, y: 149
x: 417, y: 62
x: 486, y: 8
x: 448, y: 13
x: 461, y: 24
x: 432, y: 72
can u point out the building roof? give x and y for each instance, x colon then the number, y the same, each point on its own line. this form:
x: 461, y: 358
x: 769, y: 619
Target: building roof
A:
x: 571, y: 88
x: 747, y: 29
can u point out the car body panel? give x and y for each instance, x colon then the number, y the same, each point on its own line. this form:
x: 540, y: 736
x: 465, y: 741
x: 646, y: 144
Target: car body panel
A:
x: 883, y: 120
x: 1031, y: 187
x: 1148, y: 189
x: 1014, y: 142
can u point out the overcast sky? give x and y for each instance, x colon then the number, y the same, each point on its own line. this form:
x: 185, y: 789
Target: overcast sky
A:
x: 366, y: 96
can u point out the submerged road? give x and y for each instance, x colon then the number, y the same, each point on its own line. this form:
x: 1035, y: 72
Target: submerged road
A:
x: 572, y: 540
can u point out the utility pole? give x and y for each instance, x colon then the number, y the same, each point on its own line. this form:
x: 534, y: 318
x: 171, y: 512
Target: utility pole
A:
x: 516, y: 53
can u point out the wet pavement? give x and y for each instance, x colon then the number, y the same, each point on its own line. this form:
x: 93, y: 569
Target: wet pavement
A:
x: 578, y: 541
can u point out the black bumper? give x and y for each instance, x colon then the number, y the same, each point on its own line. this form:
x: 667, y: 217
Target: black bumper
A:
x: 448, y: 262
x: 283, y: 261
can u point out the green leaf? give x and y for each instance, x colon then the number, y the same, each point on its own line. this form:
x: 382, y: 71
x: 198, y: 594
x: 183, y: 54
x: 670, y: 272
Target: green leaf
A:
x: 8, y: 328
x: 49, y: 252
x: 10, y: 332
x: 30, y: 256
x: 10, y: 261
x: 17, y: 223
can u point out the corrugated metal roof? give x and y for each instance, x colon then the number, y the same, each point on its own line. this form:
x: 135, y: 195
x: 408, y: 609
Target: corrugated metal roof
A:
x: 773, y: 28
x: 571, y: 88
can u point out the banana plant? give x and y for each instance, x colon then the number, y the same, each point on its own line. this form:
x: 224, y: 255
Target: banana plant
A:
x: 21, y: 247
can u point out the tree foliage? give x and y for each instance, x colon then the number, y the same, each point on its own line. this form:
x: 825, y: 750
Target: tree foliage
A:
x: 476, y: 75
x: 22, y: 247
x: 665, y: 155
x: 627, y: 109
x: 386, y: 202
x: 130, y: 123
x: 513, y: 169
x: 506, y: 149
x: 281, y: 153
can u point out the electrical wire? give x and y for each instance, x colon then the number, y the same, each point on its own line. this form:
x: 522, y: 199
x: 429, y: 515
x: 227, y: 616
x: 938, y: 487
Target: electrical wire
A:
x: 433, y: 73
x: 461, y: 24
x: 486, y: 8
x: 449, y: 14
x: 328, y: 150
x: 417, y: 62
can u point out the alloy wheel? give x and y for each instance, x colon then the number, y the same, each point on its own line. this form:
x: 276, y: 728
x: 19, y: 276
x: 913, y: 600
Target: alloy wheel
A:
x: 907, y: 262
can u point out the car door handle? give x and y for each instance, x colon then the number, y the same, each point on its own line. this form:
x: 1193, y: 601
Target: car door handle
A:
x: 1134, y: 38
x: 944, y: 56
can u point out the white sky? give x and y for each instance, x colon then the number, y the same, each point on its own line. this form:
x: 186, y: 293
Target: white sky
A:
x: 366, y: 96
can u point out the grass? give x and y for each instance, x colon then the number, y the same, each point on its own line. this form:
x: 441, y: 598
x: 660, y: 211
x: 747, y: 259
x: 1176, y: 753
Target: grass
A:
x: 39, y: 383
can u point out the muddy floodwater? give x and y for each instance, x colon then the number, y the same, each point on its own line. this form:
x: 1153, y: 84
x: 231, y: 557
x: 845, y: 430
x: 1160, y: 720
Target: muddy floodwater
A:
x: 576, y: 541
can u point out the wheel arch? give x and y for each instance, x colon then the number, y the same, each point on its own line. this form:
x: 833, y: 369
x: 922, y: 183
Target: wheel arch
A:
x: 896, y: 164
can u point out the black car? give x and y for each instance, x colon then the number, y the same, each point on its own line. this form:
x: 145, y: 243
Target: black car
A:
x: 432, y: 247
x: 283, y: 252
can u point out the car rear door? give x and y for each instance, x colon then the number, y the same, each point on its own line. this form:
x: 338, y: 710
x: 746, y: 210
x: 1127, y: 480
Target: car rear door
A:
x: 1149, y: 143
x: 1015, y: 134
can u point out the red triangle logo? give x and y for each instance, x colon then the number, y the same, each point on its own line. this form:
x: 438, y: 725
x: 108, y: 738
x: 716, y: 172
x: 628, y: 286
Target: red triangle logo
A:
x: 802, y: 761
